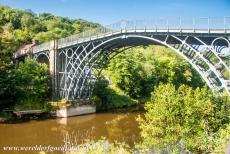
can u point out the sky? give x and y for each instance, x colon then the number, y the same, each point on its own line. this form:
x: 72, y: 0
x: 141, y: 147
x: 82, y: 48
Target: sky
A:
x: 110, y: 11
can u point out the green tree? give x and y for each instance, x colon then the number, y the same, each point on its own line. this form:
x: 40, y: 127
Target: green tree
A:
x: 107, y: 97
x: 8, y: 44
x: 138, y: 70
x: 46, y: 16
x: 185, y: 116
x: 32, y: 79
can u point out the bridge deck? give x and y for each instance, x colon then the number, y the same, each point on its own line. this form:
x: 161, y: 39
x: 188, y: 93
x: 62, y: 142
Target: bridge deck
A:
x: 76, y: 39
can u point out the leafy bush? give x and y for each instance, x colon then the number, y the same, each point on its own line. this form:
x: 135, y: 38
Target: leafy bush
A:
x: 107, y: 97
x: 8, y: 89
x: 32, y: 78
x: 33, y: 84
x: 26, y: 86
x: 193, y: 118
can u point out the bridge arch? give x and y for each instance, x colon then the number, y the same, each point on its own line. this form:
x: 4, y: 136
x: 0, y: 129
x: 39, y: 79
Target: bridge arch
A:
x: 105, y: 58
x: 188, y: 47
x: 43, y: 58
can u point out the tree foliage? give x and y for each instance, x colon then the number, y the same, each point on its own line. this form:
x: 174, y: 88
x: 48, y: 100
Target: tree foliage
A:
x: 138, y: 70
x: 194, y: 118
x: 27, y: 82
x: 32, y: 79
x: 43, y: 27
x: 109, y: 97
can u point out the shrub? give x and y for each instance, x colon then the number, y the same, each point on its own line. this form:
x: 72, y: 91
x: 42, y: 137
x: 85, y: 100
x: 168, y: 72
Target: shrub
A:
x: 184, y: 116
x: 32, y: 80
x: 107, y: 97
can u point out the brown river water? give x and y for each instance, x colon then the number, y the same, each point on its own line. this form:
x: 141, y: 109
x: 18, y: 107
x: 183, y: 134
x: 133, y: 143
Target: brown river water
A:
x: 121, y: 127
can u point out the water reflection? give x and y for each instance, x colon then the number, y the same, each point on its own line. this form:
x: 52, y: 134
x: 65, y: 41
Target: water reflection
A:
x: 121, y: 127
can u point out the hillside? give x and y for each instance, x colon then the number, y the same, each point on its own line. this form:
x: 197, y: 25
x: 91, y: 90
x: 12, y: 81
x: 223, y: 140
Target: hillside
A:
x: 26, y: 26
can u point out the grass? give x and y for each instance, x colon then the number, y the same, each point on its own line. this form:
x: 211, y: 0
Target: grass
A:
x: 32, y: 104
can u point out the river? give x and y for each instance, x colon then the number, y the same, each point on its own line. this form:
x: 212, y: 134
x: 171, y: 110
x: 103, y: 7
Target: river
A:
x: 121, y: 127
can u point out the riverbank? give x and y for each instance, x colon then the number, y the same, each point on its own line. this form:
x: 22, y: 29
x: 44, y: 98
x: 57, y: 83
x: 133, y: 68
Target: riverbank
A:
x: 10, y: 117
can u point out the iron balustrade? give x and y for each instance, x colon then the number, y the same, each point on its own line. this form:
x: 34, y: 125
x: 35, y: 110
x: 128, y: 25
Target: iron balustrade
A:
x: 208, y: 25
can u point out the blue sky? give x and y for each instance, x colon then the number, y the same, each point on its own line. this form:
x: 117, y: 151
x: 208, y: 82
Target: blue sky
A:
x: 110, y: 11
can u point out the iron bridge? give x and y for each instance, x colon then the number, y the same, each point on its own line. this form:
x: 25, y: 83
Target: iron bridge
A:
x: 75, y: 61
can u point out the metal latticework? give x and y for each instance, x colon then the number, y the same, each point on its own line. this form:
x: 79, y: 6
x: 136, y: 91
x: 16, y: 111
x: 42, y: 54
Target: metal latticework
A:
x: 203, y: 42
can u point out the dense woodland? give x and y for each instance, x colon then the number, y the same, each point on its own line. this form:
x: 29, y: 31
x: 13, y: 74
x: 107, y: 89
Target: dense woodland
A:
x: 181, y: 112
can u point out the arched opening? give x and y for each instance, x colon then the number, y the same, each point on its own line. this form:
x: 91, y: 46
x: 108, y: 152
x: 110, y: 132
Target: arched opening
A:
x: 100, y: 59
x: 42, y: 58
x: 114, y: 68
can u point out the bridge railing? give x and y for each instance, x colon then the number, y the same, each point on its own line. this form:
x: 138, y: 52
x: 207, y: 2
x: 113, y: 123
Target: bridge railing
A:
x: 84, y: 35
x: 41, y: 47
x: 205, y: 24
x: 213, y: 23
